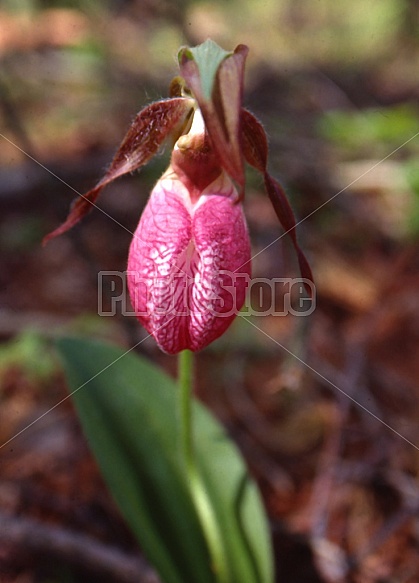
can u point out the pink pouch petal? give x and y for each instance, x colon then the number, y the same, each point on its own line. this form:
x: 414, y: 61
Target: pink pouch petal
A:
x: 182, y: 264
x: 223, y: 247
x: 154, y: 265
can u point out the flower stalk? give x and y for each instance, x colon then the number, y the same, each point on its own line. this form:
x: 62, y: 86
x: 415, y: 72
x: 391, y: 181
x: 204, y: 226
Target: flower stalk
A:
x: 185, y: 365
x: 197, y: 489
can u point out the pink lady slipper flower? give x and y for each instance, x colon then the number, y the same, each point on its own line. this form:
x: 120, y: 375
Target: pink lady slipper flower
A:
x: 189, y: 260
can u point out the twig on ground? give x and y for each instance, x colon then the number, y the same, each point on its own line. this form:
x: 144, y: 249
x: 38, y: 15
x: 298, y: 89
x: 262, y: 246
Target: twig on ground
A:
x: 75, y: 548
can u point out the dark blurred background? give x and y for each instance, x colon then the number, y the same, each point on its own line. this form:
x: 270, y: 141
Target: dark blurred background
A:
x: 324, y: 407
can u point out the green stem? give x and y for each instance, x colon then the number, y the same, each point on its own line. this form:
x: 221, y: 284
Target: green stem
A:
x: 197, y: 487
x: 185, y: 396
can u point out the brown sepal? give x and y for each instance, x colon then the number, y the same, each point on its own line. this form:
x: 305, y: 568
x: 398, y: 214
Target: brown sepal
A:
x: 151, y: 127
x: 255, y: 150
x: 221, y: 112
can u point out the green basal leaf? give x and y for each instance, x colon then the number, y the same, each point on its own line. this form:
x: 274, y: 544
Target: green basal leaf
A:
x: 123, y: 407
x: 235, y: 500
x: 127, y: 410
x: 208, y: 56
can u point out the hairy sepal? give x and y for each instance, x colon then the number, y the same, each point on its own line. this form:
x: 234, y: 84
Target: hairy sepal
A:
x: 152, y: 126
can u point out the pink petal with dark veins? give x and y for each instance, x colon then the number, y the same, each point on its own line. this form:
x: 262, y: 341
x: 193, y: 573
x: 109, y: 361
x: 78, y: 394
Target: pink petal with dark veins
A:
x: 183, y: 260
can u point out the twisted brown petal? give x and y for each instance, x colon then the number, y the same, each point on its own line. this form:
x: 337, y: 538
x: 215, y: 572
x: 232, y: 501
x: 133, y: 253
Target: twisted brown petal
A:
x: 255, y: 150
x: 151, y: 127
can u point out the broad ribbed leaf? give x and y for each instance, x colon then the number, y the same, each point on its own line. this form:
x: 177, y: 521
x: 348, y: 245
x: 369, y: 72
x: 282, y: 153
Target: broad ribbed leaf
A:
x: 151, y: 127
x: 127, y: 409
